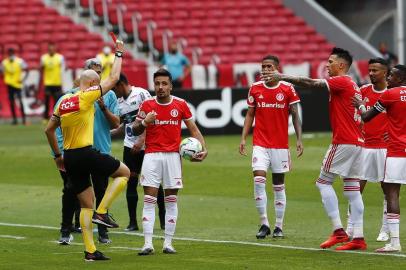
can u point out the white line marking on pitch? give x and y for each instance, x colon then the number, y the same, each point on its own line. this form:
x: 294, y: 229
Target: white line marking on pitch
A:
x: 226, y: 242
x: 12, y: 236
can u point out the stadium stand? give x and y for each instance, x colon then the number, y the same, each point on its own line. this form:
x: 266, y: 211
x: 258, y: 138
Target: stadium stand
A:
x: 30, y: 25
x: 230, y: 36
x: 267, y: 26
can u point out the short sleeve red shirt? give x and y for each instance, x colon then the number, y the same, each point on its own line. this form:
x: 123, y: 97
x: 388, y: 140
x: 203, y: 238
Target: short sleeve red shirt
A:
x: 394, y: 102
x: 375, y: 129
x: 271, y: 113
x: 344, y: 118
x: 164, y: 135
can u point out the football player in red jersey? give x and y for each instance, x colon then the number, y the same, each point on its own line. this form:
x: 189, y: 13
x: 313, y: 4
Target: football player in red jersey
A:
x: 344, y: 155
x: 161, y: 117
x: 375, y: 133
x: 270, y: 104
x: 393, y: 101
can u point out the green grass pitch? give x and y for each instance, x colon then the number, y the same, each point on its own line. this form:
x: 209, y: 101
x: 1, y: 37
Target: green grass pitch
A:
x: 217, y: 216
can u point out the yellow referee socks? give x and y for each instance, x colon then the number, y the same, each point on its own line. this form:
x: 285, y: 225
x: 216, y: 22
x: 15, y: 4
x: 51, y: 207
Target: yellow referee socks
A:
x: 112, y: 191
x: 87, y: 229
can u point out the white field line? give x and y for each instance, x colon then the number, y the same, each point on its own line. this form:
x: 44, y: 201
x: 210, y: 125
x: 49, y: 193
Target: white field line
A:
x: 12, y: 236
x: 226, y: 242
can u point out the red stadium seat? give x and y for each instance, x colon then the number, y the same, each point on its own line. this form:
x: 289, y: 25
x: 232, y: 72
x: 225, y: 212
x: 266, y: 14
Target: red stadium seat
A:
x: 26, y: 37
x: 238, y: 31
x: 30, y: 47
x: 226, y: 40
x: 11, y: 28
x: 208, y: 40
x: 198, y: 13
x: 243, y: 39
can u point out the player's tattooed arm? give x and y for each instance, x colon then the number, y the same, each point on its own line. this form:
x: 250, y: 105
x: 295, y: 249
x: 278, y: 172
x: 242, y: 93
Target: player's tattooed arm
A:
x: 304, y: 81
x: 273, y: 76
x: 139, y: 126
x: 297, y: 124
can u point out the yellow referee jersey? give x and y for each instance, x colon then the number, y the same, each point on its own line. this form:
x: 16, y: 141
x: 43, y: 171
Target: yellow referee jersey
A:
x: 13, y: 71
x: 52, y: 65
x: 76, y: 113
x: 107, y: 63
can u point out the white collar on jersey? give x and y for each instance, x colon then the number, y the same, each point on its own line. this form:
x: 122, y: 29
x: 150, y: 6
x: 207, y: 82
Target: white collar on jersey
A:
x: 377, y: 91
x: 164, y: 104
x: 272, y: 87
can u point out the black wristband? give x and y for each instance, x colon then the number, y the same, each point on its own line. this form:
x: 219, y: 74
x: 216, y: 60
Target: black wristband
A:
x: 57, y: 155
x: 119, y: 54
x: 103, y: 109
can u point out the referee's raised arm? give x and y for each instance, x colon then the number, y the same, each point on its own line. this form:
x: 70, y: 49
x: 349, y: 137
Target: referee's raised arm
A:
x: 114, y: 76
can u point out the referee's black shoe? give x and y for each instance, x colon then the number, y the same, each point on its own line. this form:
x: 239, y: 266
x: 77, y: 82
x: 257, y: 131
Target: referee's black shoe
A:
x: 263, y: 232
x: 95, y: 256
x: 104, y: 219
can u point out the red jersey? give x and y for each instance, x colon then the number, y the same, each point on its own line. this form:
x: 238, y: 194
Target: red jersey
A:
x: 271, y: 113
x: 374, y: 129
x: 394, y: 102
x: 164, y: 134
x: 344, y: 118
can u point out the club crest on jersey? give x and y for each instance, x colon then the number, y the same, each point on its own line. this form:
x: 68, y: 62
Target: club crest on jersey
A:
x: 251, y: 99
x: 280, y: 97
x: 174, y: 113
x: 142, y: 114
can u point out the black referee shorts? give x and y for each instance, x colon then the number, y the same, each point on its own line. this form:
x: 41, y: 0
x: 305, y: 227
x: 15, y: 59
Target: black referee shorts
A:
x: 52, y: 90
x: 133, y: 161
x: 80, y: 163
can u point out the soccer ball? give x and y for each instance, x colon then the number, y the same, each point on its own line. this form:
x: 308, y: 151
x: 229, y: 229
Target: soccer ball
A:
x: 188, y: 147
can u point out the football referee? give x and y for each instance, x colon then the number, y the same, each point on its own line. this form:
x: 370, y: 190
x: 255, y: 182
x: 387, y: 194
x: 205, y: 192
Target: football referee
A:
x: 75, y: 115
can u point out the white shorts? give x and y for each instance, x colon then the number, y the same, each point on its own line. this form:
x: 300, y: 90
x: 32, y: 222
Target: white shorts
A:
x: 373, y: 164
x: 343, y: 160
x: 162, y: 168
x: 277, y: 160
x: 395, y: 170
